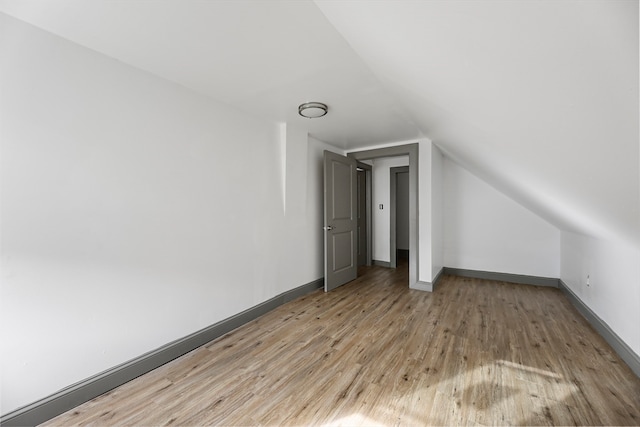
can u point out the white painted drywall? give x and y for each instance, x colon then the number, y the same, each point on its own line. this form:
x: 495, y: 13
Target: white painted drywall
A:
x: 613, y: 292
x: 425, y: 212
x: 381, y: 196
x: 485, y: 230
x: 134, y: 212
x: 402, y: 211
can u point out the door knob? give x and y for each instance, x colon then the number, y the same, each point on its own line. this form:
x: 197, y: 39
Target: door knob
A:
x: 328, y: 227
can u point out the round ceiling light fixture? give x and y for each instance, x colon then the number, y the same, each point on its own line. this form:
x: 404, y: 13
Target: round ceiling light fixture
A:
x: 313, y: 110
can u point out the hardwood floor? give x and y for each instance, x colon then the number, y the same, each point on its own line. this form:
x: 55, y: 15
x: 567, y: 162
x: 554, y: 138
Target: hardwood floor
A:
x: 374, y: 352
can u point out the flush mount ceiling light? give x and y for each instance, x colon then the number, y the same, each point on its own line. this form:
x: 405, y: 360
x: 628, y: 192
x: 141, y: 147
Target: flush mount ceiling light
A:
x: 312, y: 110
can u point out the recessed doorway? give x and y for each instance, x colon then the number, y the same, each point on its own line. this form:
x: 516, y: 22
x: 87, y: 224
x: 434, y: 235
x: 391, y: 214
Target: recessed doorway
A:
x: 412, y: 151
x: 399, y: 213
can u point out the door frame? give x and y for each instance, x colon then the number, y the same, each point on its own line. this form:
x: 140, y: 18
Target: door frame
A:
x: 393, y: 243
x: 410, y: 150
x: 368, y: 212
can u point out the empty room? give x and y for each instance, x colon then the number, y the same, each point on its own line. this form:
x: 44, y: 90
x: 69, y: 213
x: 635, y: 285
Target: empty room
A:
x: 278, y: 212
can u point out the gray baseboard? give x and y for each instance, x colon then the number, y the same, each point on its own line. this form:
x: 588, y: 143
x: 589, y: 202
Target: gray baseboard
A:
x: 422, y: 286
x: 504, y: 277
x: 624, y: 351
x: 428, y: 286
x: 437, y: 278
x: 382, y: 263
x: 83, y: 391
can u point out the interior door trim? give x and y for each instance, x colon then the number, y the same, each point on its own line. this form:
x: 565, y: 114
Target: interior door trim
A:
x: 410, y: 150
x: 368, y: 212
x: 393, y: 214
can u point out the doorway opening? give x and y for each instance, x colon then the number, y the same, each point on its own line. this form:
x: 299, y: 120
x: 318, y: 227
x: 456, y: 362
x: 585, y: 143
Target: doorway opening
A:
x: 410, y: 150
x: 341, y: 218
x: 399, y: 212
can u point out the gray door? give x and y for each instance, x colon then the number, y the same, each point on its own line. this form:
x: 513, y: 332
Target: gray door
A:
x: 340, y: 220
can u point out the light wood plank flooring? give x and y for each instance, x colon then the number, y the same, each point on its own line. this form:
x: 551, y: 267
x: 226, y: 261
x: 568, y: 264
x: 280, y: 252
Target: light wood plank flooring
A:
x: 373, y: 352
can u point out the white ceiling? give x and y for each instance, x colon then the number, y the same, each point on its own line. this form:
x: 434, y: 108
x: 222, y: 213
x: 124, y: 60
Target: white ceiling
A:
x: 539, y: 98
x: 263, y: 57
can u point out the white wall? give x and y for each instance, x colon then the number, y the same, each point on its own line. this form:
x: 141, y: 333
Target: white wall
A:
x: 437, y: 208
x: 613, y: 292
x: 425, y: 212
x: 381, y: 195
x: 485, y: 230
x: 134, y: 212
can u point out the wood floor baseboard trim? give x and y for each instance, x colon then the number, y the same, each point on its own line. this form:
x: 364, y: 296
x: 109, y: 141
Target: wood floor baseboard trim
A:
x: 294, y: 293
x: 505, y: 277
x: 428, y: 286
x: 423, y: 286
x: 624, y: 351
x: 437, y: 278
x: 386, y: 264
x: 83, y: 391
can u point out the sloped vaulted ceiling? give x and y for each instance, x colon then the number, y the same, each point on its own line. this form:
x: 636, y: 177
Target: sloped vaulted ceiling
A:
x: 264, y: 57
x: 539, y: 98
